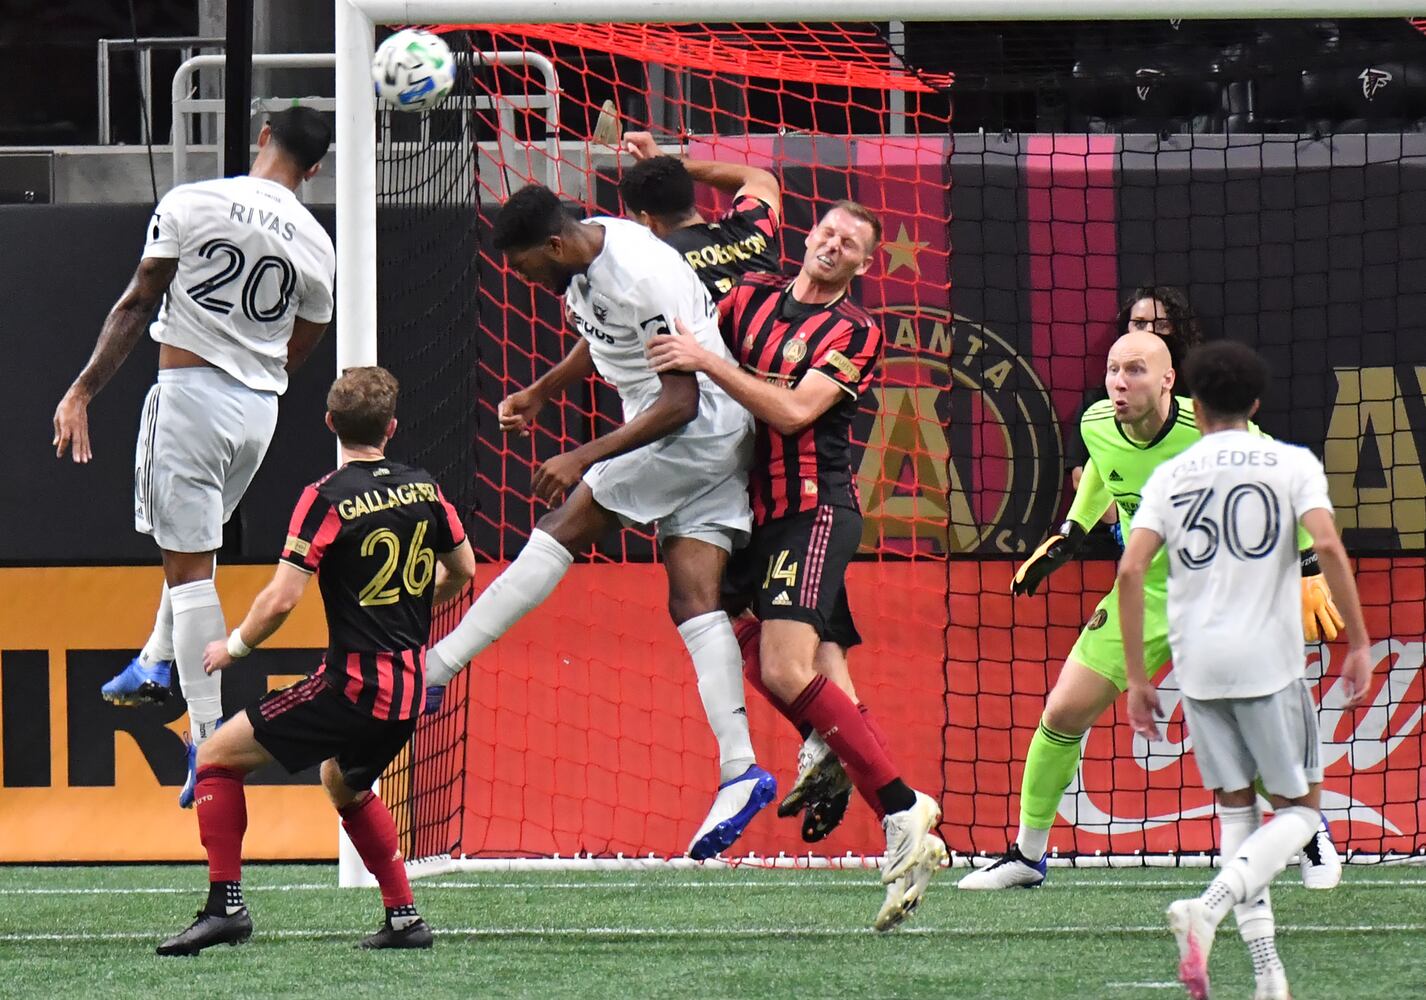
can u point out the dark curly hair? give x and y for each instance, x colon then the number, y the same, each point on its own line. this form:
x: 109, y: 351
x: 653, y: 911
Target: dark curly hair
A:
x: 1187, y: 331
x: 660, y: 186
x: 532, y: 215
x: 1228, y: 377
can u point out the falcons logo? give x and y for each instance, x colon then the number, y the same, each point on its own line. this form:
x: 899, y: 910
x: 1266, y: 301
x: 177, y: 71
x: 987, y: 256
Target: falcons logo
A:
x: 1373, y: 80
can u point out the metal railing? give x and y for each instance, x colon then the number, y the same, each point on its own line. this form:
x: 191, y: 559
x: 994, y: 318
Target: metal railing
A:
x: 504, y: 105
x: 186, y: 46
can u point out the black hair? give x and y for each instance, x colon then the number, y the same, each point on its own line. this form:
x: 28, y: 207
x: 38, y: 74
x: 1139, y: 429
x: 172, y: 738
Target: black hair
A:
x: 1228, y: 377
x: 303, y: 134
x: 660, y: 186
x: 1187, y: 331
x: 532, y: 215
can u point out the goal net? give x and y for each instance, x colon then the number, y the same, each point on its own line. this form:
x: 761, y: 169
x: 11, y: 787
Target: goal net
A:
x: 1288, y: 204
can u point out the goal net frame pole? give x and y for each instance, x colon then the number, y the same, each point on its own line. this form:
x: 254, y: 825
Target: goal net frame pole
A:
x: 355, y: 131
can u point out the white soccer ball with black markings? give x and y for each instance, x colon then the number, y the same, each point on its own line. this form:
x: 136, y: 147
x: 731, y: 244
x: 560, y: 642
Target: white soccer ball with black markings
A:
x: 413, y: 70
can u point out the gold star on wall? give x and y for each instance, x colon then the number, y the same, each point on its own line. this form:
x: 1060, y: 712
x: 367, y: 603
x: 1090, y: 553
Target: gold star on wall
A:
x: 902, y: 252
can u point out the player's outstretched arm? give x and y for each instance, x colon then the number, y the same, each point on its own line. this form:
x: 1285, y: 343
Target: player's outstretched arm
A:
x: 121, y: 331
x: 736, y: 179
x: 1144, y: 710
x: 270, y: 609
x: 786, y: 411
x: 676, y: 405
x: 454, y: 570
x: 1091, y: 500
x: 518, y: 410
x: 1357, y: 666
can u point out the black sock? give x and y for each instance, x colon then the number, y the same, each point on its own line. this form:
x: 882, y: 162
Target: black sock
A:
x: 896, y: 796
x: 402, y: 916
x: 224, y: 898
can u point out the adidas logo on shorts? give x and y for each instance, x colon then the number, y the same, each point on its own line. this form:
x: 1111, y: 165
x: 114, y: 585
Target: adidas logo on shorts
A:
x: 782, y: 600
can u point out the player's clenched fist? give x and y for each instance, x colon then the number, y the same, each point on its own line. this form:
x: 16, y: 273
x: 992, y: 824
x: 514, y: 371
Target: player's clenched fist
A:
x: 517, y: 411
x: 640, y: 145
x: 557, y: 476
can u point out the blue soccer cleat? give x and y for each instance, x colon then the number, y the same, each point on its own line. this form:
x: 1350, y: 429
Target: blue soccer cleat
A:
x: 739, y: 800
x: 137, y: 684
x: 185, y: 797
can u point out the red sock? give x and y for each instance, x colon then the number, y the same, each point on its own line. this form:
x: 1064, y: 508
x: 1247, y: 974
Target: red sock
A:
x: 368, y: 822
x: 222, y: 820
x: 875, y: 727
x: 749, y: 632
x: 834, y: 715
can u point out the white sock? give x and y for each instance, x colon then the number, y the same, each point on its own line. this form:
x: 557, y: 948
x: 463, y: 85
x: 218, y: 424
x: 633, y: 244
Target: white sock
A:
x: 718, y: 662
x: 525, y: 583
x: 197, y: 621
x: 1256, y: 925
x: 159, y: 648
x: 1032, y: 843
x: 1259, y: 858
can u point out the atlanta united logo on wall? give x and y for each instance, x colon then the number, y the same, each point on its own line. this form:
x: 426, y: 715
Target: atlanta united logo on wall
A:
x: 963, y: 449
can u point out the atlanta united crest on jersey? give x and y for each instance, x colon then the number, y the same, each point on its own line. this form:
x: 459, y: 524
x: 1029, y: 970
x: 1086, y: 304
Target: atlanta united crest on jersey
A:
x: 251, y: 260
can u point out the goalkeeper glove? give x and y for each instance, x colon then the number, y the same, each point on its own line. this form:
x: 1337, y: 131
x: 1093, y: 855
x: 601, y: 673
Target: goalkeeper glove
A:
x: 434, y: 697
x: 1320, y: 617
x: 1051, y: 554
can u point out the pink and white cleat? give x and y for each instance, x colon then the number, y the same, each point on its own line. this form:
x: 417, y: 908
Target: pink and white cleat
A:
x: 1192, y: 928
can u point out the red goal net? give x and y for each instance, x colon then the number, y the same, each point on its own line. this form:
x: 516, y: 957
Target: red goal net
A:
x: 1006, y: 259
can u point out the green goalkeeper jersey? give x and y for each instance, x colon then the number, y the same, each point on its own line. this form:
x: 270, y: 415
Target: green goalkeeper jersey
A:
x: 1119, y: 466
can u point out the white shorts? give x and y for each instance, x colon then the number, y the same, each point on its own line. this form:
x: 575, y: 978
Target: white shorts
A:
x: 202, y: 437
x: 691, y: 484
x: 1236, y: 740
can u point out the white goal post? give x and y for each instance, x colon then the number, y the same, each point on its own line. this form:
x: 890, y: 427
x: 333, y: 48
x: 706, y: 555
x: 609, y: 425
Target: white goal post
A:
x: 356, y: 173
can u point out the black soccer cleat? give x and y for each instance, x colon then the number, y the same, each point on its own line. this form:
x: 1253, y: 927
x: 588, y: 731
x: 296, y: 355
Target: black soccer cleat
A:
x: 825, y: 815
x: 210, y: 929
x: 417, y: 935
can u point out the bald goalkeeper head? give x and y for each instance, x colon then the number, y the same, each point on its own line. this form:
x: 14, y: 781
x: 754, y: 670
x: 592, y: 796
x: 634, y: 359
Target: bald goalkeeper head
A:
x: 1139, y: 378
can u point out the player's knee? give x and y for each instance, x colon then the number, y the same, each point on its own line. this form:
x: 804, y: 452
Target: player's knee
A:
x: 210, y: 754
x: 686, y: 605
x: 336, y: 785
x: 1066, y: 719
x: 786, y: 676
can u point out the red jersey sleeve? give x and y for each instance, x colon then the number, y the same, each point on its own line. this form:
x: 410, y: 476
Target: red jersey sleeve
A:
x: 756, y: 213
x: 315, y: 522
x: 849, y: 355
x: 449, y: 531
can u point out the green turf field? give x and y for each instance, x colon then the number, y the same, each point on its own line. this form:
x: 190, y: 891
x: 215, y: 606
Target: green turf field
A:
x: 90, y: 932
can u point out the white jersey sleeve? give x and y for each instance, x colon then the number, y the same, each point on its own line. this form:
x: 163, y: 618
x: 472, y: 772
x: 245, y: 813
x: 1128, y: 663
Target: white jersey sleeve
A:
x: 251, y: 260
x: 1309, y: 484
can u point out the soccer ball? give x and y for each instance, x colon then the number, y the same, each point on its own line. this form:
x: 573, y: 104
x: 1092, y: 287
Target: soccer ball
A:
x: 413, y: 70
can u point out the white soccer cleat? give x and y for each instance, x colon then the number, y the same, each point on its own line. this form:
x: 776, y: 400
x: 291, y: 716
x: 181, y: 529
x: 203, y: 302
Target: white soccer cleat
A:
x: 820, y: 776
x: 1012, y: 871
x: 1272, y: 986
x: 1194, y: 930
x: 1319, y: 862
x: 738, y: 801
x: 906, y: 893
x: 905, y: 831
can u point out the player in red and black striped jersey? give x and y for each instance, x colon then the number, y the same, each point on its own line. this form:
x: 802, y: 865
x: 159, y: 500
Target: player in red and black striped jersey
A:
x: 386, y: 547
x: 804, y: 354
x: 658, y: 192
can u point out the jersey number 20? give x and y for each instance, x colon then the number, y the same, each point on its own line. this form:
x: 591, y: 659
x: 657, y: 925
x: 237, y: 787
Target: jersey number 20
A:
x: 257, y: 306
x: 1227, y: 529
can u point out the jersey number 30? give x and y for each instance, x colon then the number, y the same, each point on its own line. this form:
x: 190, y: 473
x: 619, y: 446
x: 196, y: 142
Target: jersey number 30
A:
x: 1227, y: 530
x: 261, y: 305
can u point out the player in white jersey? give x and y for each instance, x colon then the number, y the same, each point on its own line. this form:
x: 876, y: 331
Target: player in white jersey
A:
x: 679, y: 461
x: 1226, y: 510
x: 245, y: 276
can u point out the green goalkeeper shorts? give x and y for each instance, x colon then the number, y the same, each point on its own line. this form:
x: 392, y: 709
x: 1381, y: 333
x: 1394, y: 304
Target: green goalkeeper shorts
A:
x: 1100, y: 646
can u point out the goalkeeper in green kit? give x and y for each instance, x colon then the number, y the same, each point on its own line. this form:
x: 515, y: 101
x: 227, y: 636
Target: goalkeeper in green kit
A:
x: 1139, y: 426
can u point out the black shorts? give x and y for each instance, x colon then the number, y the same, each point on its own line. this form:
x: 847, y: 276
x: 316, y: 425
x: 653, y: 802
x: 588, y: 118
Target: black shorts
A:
x: 308, y: 722
x: 795, y: 569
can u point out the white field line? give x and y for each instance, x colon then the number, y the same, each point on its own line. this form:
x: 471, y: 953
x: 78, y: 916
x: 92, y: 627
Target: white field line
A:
x: 683, y: 933
x: 808, y: 884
